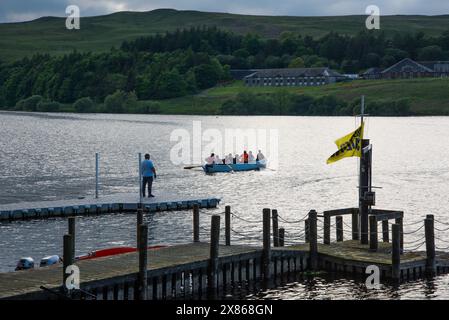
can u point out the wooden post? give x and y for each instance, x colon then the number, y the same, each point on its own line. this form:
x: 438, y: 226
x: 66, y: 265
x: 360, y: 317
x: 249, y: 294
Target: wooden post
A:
x: 66, y: 258
x: 313, y: 251
x: 373, y: 244
x: 274, y: 216
x: 139, y: 223
x: 355, y: 224
x: 266, y: 256
x: 281, y: 237
x: 400, y: 222
x: 196, y: 223
x: 339, y: 227
x: 143, y: 261
x: 306, y: 230
x: 228, y: 225
x: 213, y: 258
x: 430, y: 245
x: 396, y: 252
x: 385, y: 231
x: 364, y: 187
x: 72, y: 233
x: 327, y: 228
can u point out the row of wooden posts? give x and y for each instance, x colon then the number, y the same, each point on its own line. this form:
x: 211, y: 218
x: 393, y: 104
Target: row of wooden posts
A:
x: 311, y: 234
x: 311, y: 237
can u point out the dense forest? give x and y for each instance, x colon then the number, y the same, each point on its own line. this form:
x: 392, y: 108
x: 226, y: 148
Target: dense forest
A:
x: 188, y: 61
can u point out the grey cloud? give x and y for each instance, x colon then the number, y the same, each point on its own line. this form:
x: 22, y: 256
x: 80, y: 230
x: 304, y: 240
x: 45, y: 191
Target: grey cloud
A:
x: 20, y: 10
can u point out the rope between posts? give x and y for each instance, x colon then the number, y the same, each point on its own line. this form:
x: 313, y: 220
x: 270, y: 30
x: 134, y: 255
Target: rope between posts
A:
x: 441, y: 222
x: 417, y: 247
x: 410, y: 232
x: 415, y: 241
x: 441, y: 230
x: 412, y: 223
x: 442, y: 240
x: 246, y: 220
x: 292, y: 221
x: 245, y: 235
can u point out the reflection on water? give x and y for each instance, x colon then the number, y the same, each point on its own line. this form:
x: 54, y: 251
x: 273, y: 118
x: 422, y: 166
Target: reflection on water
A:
x: 52, y: 156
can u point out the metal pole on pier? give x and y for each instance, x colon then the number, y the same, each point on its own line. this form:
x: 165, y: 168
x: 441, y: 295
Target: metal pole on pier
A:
x: 97, y: 157
x: 140, y: 178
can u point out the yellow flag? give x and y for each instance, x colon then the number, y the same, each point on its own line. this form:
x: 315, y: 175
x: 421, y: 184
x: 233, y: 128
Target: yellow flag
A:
x: 348, y: 146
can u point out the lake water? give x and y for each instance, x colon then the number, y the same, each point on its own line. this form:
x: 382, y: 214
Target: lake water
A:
x: 52, y: 156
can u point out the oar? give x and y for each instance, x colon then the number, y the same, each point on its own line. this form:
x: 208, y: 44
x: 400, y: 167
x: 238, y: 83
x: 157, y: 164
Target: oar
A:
x: 232, y: 170
x: 191, y: 167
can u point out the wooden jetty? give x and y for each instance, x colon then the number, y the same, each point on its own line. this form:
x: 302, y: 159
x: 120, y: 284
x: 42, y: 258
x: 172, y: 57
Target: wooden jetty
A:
x: 122, y: 202
x: 201, y: 270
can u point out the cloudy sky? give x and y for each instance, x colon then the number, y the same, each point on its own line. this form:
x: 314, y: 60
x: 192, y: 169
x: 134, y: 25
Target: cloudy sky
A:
x: 23, y: 10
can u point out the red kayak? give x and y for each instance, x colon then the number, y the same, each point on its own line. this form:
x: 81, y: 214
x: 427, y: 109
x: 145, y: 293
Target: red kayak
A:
x: 112, y: 252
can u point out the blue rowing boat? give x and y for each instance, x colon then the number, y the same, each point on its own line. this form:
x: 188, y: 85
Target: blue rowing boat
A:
x: 233, y: 167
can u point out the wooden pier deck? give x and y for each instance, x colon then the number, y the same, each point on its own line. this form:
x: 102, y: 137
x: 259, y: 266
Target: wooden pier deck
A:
x: 181, y: 271
x: 352, y: 257
x: 97, y: 274
x: 122, y: 202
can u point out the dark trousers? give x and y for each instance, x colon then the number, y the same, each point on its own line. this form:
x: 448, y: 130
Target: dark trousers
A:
x: 146, y: 180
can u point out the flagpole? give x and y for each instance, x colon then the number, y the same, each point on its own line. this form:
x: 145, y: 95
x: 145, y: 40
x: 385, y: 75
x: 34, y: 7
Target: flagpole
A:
x: 362, y: 108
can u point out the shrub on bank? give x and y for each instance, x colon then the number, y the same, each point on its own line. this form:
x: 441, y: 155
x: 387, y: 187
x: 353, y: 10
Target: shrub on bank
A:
x: 84, y: 105
x: 28, y: 104
x: 120, y: 102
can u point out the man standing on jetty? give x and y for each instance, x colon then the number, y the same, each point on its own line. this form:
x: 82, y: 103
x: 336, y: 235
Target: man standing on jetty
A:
x: 148, y: 174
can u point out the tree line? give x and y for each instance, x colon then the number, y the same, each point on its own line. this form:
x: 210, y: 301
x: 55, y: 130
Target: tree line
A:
x: 187, y: 61
x: 348, y: 54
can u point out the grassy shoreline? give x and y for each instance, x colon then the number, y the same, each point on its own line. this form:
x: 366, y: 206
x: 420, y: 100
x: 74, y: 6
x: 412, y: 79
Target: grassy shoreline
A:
x: 427, y: 97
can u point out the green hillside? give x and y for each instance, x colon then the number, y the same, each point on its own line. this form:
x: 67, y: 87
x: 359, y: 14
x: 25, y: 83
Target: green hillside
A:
x: 426, y: 96
x: 102, y: 32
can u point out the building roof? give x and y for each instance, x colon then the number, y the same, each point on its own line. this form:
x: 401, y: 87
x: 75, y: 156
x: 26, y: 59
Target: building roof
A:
x: 294, y: 72
x: 372, y: 71
x: 407, y: 61
x: 432, y: 64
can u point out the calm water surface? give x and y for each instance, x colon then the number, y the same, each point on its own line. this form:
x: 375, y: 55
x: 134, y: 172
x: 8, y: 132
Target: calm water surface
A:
x: 51, y: 156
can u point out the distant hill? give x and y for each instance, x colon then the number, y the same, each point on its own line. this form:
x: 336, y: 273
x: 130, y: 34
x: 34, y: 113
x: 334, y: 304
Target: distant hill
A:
x: 100, y: 33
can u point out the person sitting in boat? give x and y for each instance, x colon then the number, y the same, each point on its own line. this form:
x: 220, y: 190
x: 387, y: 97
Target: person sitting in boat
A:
x: 260, y: 156
x: 244, y: 157
x: 229, y: 159
x: 218, y: 160
x: 236, y: 159
x: 210, y: 160
x: 251, y: 158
